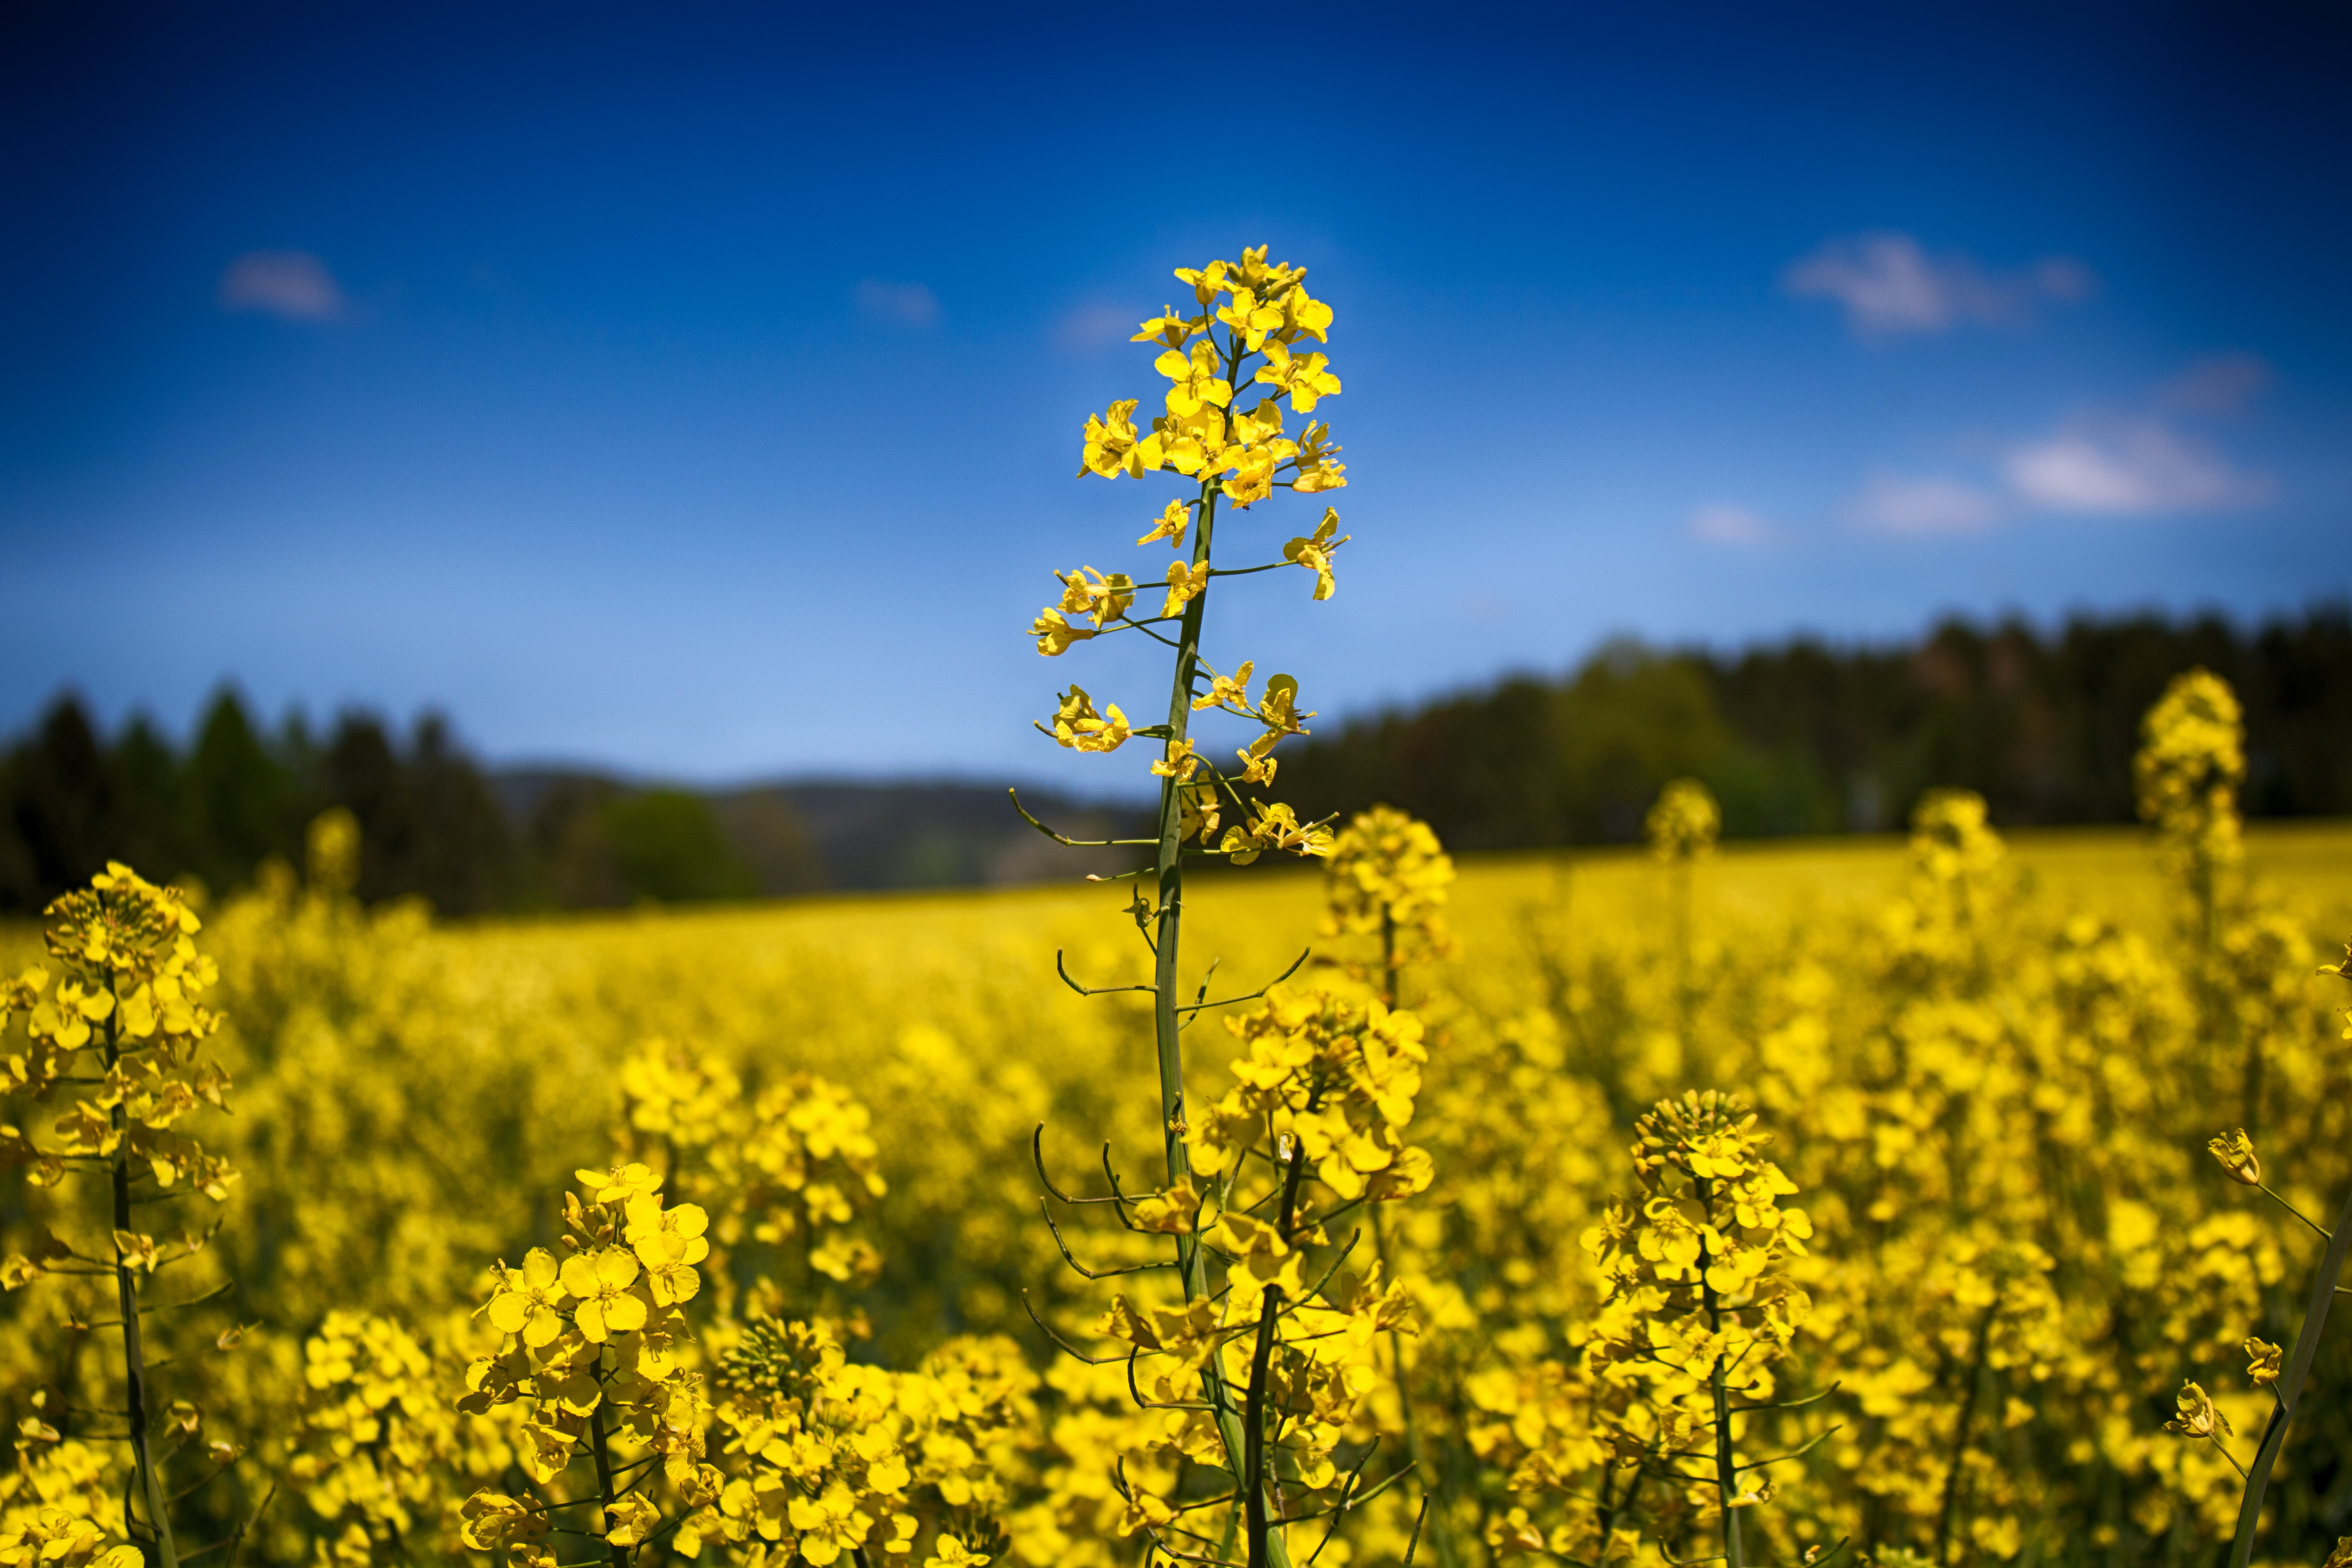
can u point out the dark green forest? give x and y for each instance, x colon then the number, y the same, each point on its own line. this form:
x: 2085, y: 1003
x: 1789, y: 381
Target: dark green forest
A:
x: 1794, y: 737
x: 1806, y: 737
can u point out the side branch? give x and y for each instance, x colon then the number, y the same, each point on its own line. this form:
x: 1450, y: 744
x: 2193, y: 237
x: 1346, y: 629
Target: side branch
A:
x: 1261, y: 991
x: 1075, y: 843
x: 1094, y: 990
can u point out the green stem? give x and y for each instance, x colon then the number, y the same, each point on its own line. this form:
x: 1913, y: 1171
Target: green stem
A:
x: 1192, y: 1262
x: 1945, y: 1520
x: 1726, y: 1467
x: 620, y: 1554
x: 2290, y: 1386
x: 135, y: 1362
x: 1258, y: 1470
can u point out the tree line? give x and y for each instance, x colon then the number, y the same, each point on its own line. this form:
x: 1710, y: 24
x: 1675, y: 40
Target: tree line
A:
x: 433, y: 822
x: 1799, y: 736
x: 1802, y: 736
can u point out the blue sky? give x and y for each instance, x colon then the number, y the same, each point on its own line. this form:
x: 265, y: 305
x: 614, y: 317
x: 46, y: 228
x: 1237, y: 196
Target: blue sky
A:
x: 699, y: 393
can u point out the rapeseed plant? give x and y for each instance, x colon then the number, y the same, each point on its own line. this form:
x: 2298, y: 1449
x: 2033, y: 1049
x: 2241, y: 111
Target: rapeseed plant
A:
x: 1327, y: 1085
x: 121, y: 1027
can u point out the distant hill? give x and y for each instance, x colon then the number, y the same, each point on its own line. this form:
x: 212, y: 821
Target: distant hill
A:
x: 797, y: 835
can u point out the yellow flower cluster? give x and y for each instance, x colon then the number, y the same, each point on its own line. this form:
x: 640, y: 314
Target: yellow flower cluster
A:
x: 594, y: 1352
x: 1388, y: 877
x: 1250, y: 322
x: 53, y: 1505
x: 126, y: 997
x: 1313, y: 1129
x: 795, y: 1163
x: 836, y: 1458
x: 1685, y: 822
x: 373, y: 1452
x: 2191, y: 760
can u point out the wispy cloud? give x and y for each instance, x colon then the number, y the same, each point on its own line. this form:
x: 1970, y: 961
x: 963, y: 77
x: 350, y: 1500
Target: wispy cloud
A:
x: 1083, y: 329
x: 1891, y: 287
x: 2100, y: 464
x: 900, y: 304
x: 1725, y: 523
x: 293, y: 285
x: 2218, y: 384
x: 1923, y: 505
x: 2125, y: 467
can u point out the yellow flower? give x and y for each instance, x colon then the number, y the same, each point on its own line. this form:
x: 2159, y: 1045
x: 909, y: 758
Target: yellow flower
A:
x: 949, y: 1552
x: 1184, y: 584
x: 630, y: 1520
x: 1105, y: 598
x: 1231, y: 694
x: 1170, y: 524
x: 1305, y: 376
x: 1194, y: 441
x: 1314, y: 552
x: 618, y: 1186
x: 1278, y: 709
x: 1197, y: 380
x: 1274, y: 826
x: 1199, y: 810
x: 1316, y: 470
x: 1111, y: 448
x: 1302, y: 317
x: 669, y: 1243
x: 2198, y: 1417
x: 1207, y: 282
x: 2236, y: 1153
x: 1169, y: 327
x: 1250, y: 317
x: 1173, y: 1211
x: 492, y: 1521
x: 525, y: 1303
x: 2263, y: 1362
x: 1055, y: 635
x: 1258, y: 766
x: 1078, y: 727
x: 1181, y: 763
x: 600, y: 1283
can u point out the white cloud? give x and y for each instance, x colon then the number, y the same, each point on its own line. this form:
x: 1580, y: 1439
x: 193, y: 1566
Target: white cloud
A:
x: 2125, y: 467
x: 1892, y: 503
x: 1086, y: 328
x: 901, y: 304
x: 1724, y: 523
x: 293, y: 285
x: 2217, y: 384
x: 1890, y: 286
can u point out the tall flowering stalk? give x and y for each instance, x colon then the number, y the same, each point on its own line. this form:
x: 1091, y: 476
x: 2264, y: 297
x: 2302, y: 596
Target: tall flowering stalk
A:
x: 121, y: 1026
x: 1249, y: 326
x: 1387, y: 879
x: 1682, y: 826
x: 2191, y: 760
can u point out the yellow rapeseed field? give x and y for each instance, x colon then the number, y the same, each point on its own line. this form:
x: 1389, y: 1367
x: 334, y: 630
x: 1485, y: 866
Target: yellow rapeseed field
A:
x: 2019, y: 1143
